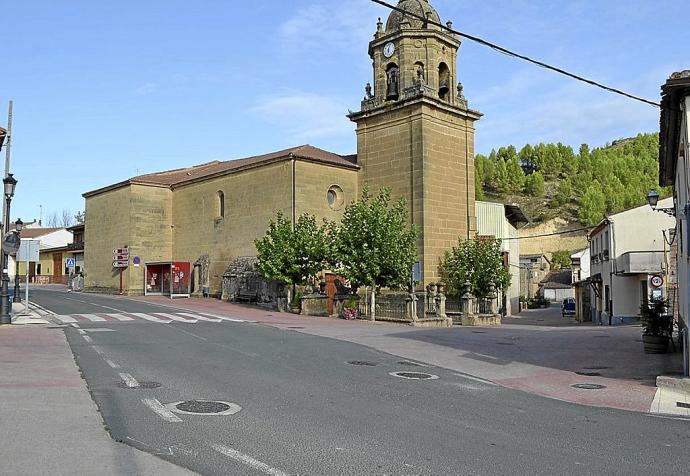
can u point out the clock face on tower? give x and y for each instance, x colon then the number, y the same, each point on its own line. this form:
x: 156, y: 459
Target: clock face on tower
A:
x: 389, y: 49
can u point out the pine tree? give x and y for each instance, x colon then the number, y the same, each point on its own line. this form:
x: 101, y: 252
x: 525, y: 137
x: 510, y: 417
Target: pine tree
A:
x: 592, y: 205
x: 534, y: 184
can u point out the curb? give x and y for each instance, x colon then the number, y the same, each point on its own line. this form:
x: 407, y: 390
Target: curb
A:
x: 677, y: 384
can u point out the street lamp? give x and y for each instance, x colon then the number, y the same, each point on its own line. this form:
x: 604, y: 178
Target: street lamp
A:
x: 18, y: 226
x: 653, y: 200
x: 9, y: 183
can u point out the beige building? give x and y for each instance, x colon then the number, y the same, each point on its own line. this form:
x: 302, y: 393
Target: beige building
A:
x: 625, y: 257
x: 415, y: 135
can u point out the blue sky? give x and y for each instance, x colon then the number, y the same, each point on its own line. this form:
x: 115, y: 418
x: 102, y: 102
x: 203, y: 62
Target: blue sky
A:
x: 107, y: 90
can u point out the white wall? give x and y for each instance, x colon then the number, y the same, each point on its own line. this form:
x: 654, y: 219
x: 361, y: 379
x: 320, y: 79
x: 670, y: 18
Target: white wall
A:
x: 55, y: 239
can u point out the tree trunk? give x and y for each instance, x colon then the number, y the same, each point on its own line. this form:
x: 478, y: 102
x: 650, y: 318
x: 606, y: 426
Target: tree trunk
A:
x: 372, y: 311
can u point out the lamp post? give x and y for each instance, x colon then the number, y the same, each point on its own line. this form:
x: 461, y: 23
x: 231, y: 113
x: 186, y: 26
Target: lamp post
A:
x: 653, y: 201
x: 18, y: 225
x: 9, y: 184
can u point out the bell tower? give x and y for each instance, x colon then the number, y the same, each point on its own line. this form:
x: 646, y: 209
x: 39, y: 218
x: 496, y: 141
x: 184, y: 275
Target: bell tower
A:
x: 415, y: 131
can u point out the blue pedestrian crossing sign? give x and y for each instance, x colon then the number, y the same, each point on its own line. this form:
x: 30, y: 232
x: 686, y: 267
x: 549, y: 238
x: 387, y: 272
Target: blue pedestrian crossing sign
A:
x: 70, y: 263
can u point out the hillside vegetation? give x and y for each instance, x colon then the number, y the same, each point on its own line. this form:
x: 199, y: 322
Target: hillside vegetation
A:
x: 551, y: 180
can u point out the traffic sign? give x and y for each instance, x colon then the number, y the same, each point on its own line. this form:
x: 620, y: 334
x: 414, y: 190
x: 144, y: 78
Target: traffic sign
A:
x: 120, y: 257
x: 11, y: 243
x: 657, y: 281
x: 120, y: 264
x: 70, y: 263
x: 121, y: 251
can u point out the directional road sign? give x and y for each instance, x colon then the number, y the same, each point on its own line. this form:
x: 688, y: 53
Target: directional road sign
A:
x: 120, y: 264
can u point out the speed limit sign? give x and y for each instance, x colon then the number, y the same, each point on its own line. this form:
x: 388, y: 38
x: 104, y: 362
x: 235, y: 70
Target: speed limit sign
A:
x: 657, y: 281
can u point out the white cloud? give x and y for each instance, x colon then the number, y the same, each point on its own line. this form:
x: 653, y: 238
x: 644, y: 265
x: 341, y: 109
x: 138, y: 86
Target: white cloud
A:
x: 146, y: 89
x: 319, y: 26
x: 305, y: 116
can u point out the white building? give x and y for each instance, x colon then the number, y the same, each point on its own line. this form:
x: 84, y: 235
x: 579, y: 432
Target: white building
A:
x: 674, y: 170
x: 580, y: 265
x: 502, y: 221
x: 627, y: 250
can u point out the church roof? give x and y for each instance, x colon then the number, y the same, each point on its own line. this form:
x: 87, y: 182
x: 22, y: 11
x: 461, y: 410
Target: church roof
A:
x: 417, y: 7
x: 178, y: 177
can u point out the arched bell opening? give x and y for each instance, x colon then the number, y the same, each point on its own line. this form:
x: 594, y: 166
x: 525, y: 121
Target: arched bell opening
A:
x: 444, y: 81
x: 393, y: 82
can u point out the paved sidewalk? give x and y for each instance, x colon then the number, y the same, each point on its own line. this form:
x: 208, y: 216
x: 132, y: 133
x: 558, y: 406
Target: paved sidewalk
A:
x: 546, y: 360
x: 48, y: 422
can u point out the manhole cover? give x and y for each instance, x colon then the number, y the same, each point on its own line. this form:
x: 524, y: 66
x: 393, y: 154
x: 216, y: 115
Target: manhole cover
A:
x: 589, y: 374
x: 505, y: 343
x: 363, y: 363
x: 603, y: 337
x: 599, y: 367
x: 414, y: 375
x: 204, y: 407
x: 140, y: 385
x: 589, y: 386
x: 295, y: 327
x: 478, y: 332
x: 410, y: 364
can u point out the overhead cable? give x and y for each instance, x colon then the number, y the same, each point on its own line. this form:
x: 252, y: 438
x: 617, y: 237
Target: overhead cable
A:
x: 507, y: 52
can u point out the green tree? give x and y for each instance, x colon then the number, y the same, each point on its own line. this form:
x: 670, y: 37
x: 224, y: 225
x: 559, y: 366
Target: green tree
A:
x: 560, y: 259
x: 534, y: 184
x: 564, y: 192
x: 515, y: 176
x: 292, y: 255
x: 478, y: 187
x: 592, y: 205
x: 375, y: 245
x: 479, y: 262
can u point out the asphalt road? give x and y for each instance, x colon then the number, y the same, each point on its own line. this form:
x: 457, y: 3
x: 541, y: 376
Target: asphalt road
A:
x: 305, y: 409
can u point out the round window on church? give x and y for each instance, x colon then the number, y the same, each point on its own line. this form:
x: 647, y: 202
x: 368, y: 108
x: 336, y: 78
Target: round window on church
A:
x: 335, y: 197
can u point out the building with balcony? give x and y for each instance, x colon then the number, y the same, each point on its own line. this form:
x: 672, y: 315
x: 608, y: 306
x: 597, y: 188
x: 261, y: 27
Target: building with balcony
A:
x: 627, y: 250
x: 533, y: 270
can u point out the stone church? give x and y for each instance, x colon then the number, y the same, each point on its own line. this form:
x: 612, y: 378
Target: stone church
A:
x: 415, y: 135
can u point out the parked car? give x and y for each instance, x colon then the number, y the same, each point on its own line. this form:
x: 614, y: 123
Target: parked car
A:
x: 568, y: 307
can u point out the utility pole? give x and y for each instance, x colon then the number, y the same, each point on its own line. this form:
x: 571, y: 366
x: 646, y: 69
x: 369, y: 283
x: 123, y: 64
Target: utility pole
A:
x: 8, y: 145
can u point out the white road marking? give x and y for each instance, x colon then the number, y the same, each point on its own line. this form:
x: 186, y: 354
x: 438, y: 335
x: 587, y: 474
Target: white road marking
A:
x: 103, y: 329
x: 178, y: 328
x: 88, y: 339
x: 81, y: 331
x: 147, y: 317
x: 91, y: 317
x: 201, y: 318
x: 76, y: 326
x: 120, y: 317
x: 181, y: 319
x: 112, y: 364
x: 161, y: 411
x: 230, y: 319
x: 130, y: 381
x: 98, y: 350
x: 248, y: 460
x: 65, y: 319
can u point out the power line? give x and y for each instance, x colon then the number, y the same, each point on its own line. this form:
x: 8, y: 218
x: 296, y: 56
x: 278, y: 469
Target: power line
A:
x: 567, y: 232
x: 519, y: 56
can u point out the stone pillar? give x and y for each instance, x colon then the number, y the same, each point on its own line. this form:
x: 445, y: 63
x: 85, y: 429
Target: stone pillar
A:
x: 441, y: 301
x: 493, y: 299
x: 430, y: 299
x: 467, y: 298
x: 412, y: 305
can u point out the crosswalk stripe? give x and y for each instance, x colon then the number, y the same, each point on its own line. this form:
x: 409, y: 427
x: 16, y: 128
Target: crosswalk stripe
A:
x: 149, y: 318
x: 230, y: 319
x: 120, y: 317
x: 65, y: 319
x: 91, y: 317
x: 201, y: 318
x: 173, y: 317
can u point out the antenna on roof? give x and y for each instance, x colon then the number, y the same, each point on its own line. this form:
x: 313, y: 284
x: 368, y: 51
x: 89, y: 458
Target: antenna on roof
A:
x: 40, y: 215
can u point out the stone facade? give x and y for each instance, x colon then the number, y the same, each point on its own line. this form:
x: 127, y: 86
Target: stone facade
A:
x: 182, y: 221
x: 415, y: 135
